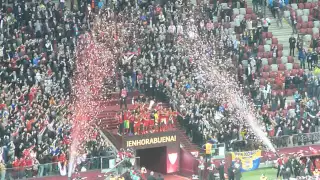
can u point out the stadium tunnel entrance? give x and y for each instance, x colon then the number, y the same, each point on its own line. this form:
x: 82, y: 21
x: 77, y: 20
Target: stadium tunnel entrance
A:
x: 153, y: 159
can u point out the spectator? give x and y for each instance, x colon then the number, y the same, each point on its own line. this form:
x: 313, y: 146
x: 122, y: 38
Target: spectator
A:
x: 292, y: 42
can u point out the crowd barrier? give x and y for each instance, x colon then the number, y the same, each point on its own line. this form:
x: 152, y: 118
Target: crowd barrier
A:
x: 296, y: 140
x: 106, y: 163
x: 279, y: 142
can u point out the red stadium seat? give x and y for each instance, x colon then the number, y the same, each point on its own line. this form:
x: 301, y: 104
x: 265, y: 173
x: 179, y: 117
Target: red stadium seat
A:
x: 274, y: 41
x: 307, y: 5
x: 249, y: 10
x: 299, y: 25
x: 270, y: 61
x: 304, y: 25
x: 273, y: 74
x: 262, y: 81
x: 303, y: 31
x: 260, y: 48
x: 301, y: 71
x: 265, y: 75
x: 310, y: 24
x: 313, y: 5
x: 289, y: 92
x: 260, y: 54
x: 280, y: 47
x: 279, y: 53
x: 286, y: 73
x: 294, y: 72
x: 266, y: 54
x: 290, y: 59
x: 309, y: 31
x: 296, y: 66
x: 279, y: 61
x: 269, y: 35
x: 247, y: 16
x: 299, y: 19
x: 281, y: 67
x: 264, y: 35
x: 310, y: 18
x: 266, y: 68
x: 301, y: 6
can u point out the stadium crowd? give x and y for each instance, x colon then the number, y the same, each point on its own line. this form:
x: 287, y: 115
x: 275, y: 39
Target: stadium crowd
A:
x: 161, y: 69
x: 38, y: 41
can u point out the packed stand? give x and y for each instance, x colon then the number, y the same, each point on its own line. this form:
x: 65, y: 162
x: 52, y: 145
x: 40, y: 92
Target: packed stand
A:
x: 37, y: 62
x: 271, y: 77
x: 157, y: 64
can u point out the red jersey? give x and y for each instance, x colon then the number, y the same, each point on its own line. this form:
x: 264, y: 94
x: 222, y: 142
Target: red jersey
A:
x: 62, y: 158
x: 29, y: 162
x: 163, y: 117
x: 136, y: 124
x: 16, y: 163
x: 119, y: 117
x: 146, y: 122
x: 132, y: 118
x: 22, y: 162
x: 126, y: 115
x: 280, y: 161
x: 146, y: 116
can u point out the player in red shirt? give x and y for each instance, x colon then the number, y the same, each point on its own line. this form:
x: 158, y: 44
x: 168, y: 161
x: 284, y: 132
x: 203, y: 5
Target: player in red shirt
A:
x: 119, y: 117
x: 142, y: 128
x: 136, y: 125
x: 163, y: 120
x: 280, y: 163
x: 132, y: 120
x: 146, y: 121
x: 146, y: 126
x: 172, y: 117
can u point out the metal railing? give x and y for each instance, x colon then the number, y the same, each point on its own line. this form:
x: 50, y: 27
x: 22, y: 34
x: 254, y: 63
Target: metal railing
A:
x: 52, y: 169
x: 296, y: 140
x: 279, y: 142
x: 217, y: 151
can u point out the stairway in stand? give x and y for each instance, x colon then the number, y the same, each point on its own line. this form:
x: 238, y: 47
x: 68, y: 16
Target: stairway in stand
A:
x: 185, y: 141
x: 282, y: 34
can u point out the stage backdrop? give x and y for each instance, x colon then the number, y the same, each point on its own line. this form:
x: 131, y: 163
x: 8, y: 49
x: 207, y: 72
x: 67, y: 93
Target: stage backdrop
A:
x: 250, y: 160
x: 168, y: 139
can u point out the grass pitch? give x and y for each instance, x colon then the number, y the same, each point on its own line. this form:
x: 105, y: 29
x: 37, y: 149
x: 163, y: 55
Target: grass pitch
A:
x: 271, y: 173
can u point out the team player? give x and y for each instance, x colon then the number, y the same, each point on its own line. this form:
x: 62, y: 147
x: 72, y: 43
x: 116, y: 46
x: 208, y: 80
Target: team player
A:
x: 143, y: 120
